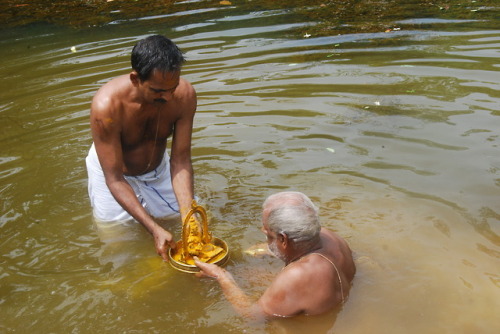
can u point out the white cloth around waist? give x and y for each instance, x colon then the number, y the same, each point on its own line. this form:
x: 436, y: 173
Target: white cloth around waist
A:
x: 153, y: 190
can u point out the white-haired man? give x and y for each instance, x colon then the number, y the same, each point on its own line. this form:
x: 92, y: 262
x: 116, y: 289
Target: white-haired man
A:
x: 319, y: 267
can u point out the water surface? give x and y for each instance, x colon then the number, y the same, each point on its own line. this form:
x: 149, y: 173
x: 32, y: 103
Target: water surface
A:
x: 392, y: 132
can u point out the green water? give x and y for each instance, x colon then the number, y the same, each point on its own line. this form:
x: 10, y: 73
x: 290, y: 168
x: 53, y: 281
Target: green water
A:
x: 387, y: 119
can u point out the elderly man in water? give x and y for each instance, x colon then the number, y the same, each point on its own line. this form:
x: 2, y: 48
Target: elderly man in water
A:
x: 319, y: 267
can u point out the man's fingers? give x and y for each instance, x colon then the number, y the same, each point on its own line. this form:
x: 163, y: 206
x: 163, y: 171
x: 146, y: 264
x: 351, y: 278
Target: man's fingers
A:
x: 198, y: 263
x: 164, y: 255
x: 201, y: 273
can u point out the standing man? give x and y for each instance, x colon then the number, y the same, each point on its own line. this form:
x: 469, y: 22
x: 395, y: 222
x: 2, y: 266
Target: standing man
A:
x: 319, y: 267
x: 130, y: 173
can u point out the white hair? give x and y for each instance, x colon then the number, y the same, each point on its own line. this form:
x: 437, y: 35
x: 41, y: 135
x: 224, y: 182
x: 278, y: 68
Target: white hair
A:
x: 293, y: 214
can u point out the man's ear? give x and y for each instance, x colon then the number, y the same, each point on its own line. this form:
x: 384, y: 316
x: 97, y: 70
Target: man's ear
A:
x: 283, y: 239
x: 134, y: 78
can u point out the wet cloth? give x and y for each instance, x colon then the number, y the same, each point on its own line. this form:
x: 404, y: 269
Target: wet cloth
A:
x: 153, y: 190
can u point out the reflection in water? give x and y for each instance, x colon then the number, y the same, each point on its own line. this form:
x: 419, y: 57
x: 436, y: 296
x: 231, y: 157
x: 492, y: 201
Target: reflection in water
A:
x: 393, y: 133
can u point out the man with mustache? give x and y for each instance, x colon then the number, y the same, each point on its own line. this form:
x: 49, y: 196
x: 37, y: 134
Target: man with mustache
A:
x: 130, y: 173
x: 319, y: 267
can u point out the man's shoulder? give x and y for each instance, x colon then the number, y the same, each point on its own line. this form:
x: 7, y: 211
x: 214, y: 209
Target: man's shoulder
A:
x: 329, y: 238
x: 186, y: 88
x: 185, y: 100
x: 110, y: 95
x: 115, y: 86
x: 298, y: 272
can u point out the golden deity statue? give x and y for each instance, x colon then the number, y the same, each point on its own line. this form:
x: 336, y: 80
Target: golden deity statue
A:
x: 197, y: 241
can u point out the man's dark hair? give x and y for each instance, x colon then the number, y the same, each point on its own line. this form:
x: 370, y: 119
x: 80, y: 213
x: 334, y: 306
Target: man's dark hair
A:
x: 156, y: 53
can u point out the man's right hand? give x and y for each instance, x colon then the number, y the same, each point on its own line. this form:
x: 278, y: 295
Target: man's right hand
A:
x: 209, y: 269
x: 163, y: 241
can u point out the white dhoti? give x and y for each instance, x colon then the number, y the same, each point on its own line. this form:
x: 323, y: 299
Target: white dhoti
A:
x: 153, y: 190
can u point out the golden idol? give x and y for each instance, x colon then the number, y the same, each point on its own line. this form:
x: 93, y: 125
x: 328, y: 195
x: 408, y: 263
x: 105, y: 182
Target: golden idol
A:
x: 197, y: 241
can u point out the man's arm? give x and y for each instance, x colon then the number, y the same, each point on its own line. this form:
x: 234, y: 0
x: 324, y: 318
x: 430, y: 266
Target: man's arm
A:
x: 285, y: 297
x: 106, y: 135
x: 238, y: 299
x: 281, y: 299
x: 181, y: 168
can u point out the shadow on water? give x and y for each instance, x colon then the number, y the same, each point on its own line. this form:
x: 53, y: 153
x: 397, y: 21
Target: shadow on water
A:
x: 385, y: 113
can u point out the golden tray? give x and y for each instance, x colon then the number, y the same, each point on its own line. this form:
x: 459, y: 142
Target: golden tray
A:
x: 179, y: 257
x: 191, y: 268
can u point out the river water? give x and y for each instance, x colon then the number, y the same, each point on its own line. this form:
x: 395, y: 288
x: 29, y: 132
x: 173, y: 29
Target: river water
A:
x: 393, y: 133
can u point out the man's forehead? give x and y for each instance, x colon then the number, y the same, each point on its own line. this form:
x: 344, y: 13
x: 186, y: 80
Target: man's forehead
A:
x: 159, y: 76
x: 166, y: 74
x: 163, y: 82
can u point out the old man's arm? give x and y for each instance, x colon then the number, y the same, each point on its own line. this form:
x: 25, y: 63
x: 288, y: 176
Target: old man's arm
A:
x: 279, y: 300
x: 284, y: 297
x: 233, y: 293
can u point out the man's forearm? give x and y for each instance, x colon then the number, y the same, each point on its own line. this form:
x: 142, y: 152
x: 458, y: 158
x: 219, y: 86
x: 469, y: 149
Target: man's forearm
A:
x: 240, y: 301
x: 126, y: 197
x: 183, y: 184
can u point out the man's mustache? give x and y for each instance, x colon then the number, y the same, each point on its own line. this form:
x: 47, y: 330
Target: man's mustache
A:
x: 161, y: 100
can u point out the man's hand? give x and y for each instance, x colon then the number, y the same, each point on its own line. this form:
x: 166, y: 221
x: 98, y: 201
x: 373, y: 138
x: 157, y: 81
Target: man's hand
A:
x: 163, y: 241
x: 242, y: 304
x: 209, y: 269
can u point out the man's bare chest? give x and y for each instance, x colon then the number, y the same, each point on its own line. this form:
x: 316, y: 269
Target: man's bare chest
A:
x: 139, y: 129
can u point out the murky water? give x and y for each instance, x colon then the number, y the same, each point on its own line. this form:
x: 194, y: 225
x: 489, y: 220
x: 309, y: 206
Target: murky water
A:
x: 394, y: 134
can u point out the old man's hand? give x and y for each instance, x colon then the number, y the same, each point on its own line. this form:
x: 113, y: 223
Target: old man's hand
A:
x: 209, y: 269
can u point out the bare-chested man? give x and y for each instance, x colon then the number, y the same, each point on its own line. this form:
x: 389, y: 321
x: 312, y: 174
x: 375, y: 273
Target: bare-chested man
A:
x: 130, y: 173
x: 318, y: 268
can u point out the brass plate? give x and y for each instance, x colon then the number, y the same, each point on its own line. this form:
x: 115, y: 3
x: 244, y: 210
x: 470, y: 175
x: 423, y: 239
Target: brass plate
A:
x: 190, y: 268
